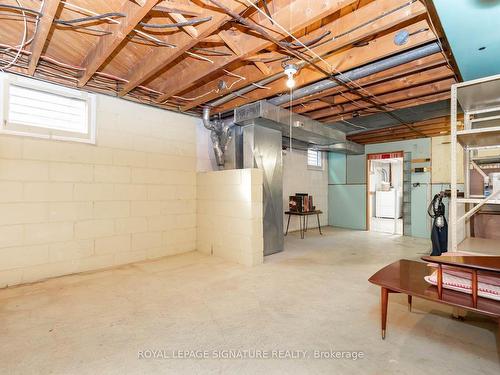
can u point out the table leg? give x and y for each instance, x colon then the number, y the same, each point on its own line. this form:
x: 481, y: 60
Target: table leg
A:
x: 383, y: 304
x: 474, y: 288
x: 319, y: 225
x: 300, y: 226
x: 288, y: 224
x: 409, y: 303
x: 440, y: 281
x: 306, y: 220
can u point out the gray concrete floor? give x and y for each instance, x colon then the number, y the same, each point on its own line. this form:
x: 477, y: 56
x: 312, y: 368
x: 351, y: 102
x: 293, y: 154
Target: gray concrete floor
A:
x: 312, y: 297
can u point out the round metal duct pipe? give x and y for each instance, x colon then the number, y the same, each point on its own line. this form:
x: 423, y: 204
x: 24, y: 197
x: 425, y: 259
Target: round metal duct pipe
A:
x: 354, y: 74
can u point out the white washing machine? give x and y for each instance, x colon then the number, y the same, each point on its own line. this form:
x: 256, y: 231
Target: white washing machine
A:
x: 388, y: 204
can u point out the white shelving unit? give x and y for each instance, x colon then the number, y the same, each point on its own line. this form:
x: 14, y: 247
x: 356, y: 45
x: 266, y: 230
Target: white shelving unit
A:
x: 480, y: 102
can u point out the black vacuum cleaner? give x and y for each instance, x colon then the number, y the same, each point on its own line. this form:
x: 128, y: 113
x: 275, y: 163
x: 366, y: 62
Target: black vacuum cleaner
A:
x: 439, y: 233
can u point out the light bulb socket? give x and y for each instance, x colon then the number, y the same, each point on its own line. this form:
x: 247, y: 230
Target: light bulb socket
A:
x: 291, y: 69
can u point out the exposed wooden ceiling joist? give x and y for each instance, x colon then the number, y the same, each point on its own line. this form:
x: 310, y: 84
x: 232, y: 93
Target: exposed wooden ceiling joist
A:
x: 158, y: 59
x: 355, y: 21
x: 42, y: 31
x: 378, y: 48
x: 311, y: 102
x: 433, y: 127
x: 415, y: 93
x: 291, y: 17
x: 131, y: 63
x: 168, y: 6
x: 118, y: 32
x: 384, y: 89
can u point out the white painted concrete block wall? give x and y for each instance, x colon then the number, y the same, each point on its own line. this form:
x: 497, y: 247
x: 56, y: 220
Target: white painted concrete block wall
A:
x: 298, y: 178
x: 229, y: 212
x: 69, y: 207
x: 204, y: 150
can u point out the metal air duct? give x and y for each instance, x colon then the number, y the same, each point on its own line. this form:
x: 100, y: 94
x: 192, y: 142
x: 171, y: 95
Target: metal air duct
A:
x: 347, y: 147
x: 274, y: 117
x: 220, y: 134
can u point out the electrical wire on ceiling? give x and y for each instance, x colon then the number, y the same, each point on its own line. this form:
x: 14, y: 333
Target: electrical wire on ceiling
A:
x: 343, y: 80
x: 21, y: 8
x: 23, y: 40
x: 139, y: 32
x: 356, y: 126
x: 319, y: 41
x: 199, y: 57
x: 65, y: 73
x: 276, y: 41
x: 191, y: 22
x: 260, y: 86
x: 210, y: 52
x: 223, y: 86
x: 98, y: 17
x: 69, y: 74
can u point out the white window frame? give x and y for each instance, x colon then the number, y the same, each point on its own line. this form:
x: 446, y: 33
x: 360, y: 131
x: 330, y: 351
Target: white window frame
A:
x: 320, y: 158
x: 6, y: 127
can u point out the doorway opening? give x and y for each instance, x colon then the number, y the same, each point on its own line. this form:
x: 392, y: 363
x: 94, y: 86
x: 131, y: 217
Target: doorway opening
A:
x: 385, y: 193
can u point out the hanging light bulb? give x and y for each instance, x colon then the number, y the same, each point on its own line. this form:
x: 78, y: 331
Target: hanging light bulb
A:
x: 290, y: 71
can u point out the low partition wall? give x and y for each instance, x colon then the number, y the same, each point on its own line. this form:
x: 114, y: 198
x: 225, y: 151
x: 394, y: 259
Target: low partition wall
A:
x: 230, y: 215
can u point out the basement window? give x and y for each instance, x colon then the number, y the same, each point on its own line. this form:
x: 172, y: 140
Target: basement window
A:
x: 38, y: 109
x: 314, y: 160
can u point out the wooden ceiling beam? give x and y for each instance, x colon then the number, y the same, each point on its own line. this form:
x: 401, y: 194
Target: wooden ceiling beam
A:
x: 191, y: 30
x: 355, y: 21
x: 310, y: 102
x: 403, y: 132
x: 118, y: 32
x: 431, y: 97
x: 291, y: 17
x: 433, y: 122
x: 169, y: 6
x: 376, y: 49
x: 42, y: 32
x: 159, y: 58
x: 433, y: 127
x: 385, y: 88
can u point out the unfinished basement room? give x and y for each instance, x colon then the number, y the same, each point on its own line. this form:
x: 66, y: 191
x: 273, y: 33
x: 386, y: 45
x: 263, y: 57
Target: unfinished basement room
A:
x: 249, y: 187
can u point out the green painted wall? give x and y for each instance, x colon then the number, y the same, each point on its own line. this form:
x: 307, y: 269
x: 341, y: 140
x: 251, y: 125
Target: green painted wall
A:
x: 347, y: 206
x: 337, y: 168
x: 347, y: 201
x: 356, y: 169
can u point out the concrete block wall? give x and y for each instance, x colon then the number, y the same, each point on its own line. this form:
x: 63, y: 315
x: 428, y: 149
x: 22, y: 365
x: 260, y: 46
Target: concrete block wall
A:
x: 67, y: 207
x: 229, y: 213
x: 299, y: 178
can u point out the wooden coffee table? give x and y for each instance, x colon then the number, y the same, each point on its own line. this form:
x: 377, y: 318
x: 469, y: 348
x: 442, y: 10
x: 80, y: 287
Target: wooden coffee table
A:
x: 407, y: 277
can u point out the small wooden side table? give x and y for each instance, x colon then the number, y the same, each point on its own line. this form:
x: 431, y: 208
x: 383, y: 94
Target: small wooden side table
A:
x: 303, y: 220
